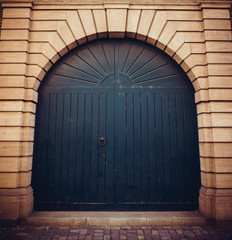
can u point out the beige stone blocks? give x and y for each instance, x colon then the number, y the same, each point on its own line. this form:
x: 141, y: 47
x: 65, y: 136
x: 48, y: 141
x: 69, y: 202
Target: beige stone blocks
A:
x: 221, y: 107
x: 14, y: 34
x: 212, y: 24
x: 13, y: 46
x: 35, y: 71
x: 9, y: 180
x: 46, y: 49
x: 39, y: 59
x: 10, y: 149
x: 29, y: 119
x: 16, y: 13
x: 166, y: 35
x: 25, y: 163
x: 9, y: 209
x: 220, y: 94
x: 48, y: 15
x: 9, y: 164
x: 11, y: 106
x: 24, y: 179
x: 220, y: 82
x: 221, y: 119
x: 12, y: 93
x: 213, y: 35
x: 184, y: 15
x: 217, y: 165
x: 223, y: 149
x: 216, y: 13
x: 220, y: 69
x: 215, y: 134
x: 15, y: 203
x: 76, y: 26
x: 10, y: 133
x: 13, y: 57
x: 216, y: 46
x: 87, y: 20
x: 11, y: 68
x: 146, y: 18
x: 219, y: 58
x: 10, y: 118
x: 157, y: 25
x: 26, y: 201
x: 100, y: 21
x: 53, y: 38
x: 15, y: 23
x: 116, y: 21
x: 219, y: 180
x: 132, y: 22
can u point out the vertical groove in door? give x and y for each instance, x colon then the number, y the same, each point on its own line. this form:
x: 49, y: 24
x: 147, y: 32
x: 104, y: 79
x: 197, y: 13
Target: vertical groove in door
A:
x: 170, y: 150
x: 76, y: 148
x: 47, y: 150
x: 72, y: 147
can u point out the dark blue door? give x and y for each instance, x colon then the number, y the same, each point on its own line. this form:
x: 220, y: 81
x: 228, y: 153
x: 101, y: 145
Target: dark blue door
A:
x: 116, y: 129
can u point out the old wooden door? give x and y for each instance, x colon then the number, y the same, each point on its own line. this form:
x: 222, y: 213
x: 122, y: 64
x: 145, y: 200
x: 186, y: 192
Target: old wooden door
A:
x: 116, y: 129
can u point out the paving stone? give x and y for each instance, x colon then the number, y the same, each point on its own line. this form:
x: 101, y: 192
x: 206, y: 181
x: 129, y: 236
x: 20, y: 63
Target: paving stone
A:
x: 98, y: 234
x: 88, y: 237
x: 155, y: 232
x: 123, y: 232
x: 83, y: 231
x: 126, y: 227
x: 115, y: 233
x: 122, y: 237
x: 140, y: 237
x: 106, y: 231
x: 106, y: 237
x: 139, y: 232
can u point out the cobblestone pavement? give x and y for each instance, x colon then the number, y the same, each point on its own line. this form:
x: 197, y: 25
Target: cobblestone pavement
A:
x: 114, y: 233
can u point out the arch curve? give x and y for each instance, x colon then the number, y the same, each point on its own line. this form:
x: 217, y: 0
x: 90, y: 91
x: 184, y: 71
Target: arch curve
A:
x: 40, y: 74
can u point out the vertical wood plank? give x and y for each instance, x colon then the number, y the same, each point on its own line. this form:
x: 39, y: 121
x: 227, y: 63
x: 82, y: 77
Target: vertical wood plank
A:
x: 87, y: 148
x: 58, y: 146
x: 152, y: 148
x: 102, y: 160
x: 72, y: 148
x: 80, y: 142
x: 65, y: 149
x: 144, y: 147
x: 181, y: 147
x: 120, y: 148
x: 130, y: 148
x: 51, y: 146
x: 137, y: 147
x: 166, y: 147
x: 110, y: 149
x: 94, y: 149
x: 173, y: 148
x: 159, y: 147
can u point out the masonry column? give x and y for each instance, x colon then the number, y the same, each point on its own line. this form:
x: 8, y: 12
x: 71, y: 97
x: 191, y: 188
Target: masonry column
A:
x: 16, y: 114
x: 215, y: 116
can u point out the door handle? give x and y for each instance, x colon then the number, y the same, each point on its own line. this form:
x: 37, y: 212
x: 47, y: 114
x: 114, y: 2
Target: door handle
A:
x: 101, y: 142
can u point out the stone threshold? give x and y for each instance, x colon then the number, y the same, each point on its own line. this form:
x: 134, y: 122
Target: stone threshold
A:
x: 42, y: 218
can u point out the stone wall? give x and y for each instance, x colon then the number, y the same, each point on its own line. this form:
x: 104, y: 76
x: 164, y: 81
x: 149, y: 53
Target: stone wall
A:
x: 35, y: 35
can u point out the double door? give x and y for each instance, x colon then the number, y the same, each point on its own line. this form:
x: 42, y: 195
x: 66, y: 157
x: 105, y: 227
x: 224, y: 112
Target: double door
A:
x: 125, y: 142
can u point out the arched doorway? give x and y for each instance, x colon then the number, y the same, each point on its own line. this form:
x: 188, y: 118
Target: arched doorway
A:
x: 116, y: 129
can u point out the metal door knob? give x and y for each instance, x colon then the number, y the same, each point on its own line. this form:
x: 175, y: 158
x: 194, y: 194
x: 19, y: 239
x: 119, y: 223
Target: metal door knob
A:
x: 101, y: 142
